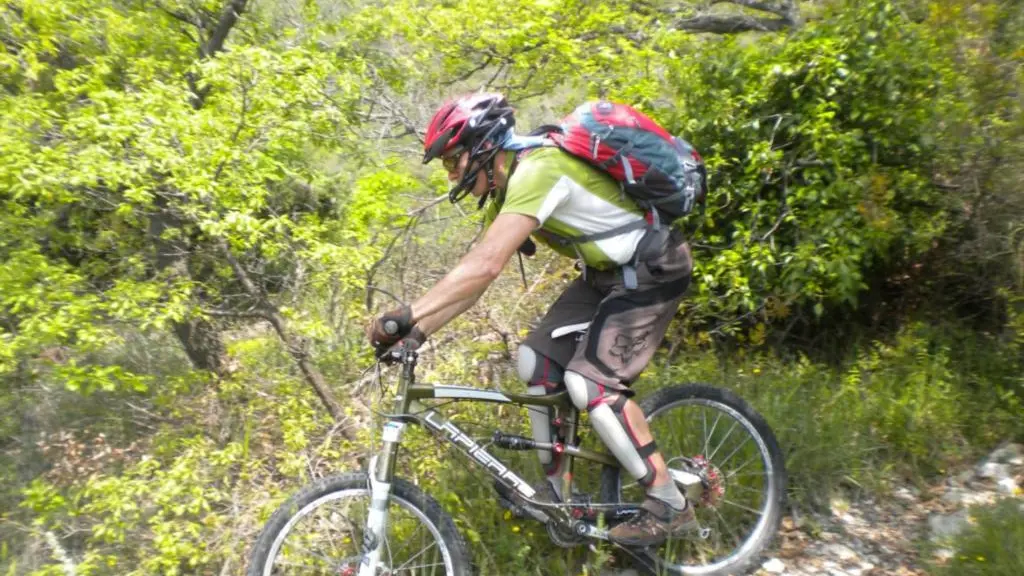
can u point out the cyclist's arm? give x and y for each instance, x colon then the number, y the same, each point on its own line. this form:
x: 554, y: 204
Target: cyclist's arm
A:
x: 436, y: 321
x: 461, y: 287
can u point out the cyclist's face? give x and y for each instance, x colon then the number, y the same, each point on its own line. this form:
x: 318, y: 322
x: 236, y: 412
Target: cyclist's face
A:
x: 455, y: 163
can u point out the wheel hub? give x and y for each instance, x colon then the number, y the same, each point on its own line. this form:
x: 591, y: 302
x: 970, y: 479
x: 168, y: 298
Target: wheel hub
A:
x: 711, y: 480
x: 350, y: 567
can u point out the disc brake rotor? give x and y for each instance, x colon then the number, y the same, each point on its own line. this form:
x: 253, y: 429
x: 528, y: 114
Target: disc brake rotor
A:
x: 712, y: 480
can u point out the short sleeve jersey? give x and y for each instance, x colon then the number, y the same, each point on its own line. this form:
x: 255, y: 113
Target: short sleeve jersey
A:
x: 569, y: 198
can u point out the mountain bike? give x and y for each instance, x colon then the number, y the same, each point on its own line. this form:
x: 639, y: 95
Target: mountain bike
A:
x: 719, y: 451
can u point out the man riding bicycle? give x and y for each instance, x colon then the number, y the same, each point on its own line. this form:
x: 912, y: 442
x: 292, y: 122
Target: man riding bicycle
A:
x: 634, y: 275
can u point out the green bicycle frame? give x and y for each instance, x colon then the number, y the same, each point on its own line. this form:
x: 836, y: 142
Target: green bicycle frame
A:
x: 407, y: 407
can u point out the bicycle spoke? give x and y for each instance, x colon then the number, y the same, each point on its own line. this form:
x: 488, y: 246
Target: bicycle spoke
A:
x: 415, y: 556
x: 707, y: 437
x: 387, y: 548
x: 742, y: 507
x: 704, y: 419
x: 327, y: 540
x: 309, y: 552
x: 725, y: 522
x: 432, y: 565
x: 722, y: 443
x: 747, y: 488
x: 743, y: 464
x: 674, y: 430
x: 304, y: 567
x: 733, y: 453
x: 735, y: 472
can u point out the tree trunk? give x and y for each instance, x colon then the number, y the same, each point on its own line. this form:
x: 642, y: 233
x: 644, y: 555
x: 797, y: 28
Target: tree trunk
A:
x: 203, y: 345
x: 200, y: 339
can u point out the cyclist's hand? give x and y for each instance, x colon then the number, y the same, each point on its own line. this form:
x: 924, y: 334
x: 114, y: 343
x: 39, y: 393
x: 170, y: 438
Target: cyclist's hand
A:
x: 390, y: 327
x: 412, y: 341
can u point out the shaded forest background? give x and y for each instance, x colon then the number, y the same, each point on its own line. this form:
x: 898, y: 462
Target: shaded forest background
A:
x: 198, y: 193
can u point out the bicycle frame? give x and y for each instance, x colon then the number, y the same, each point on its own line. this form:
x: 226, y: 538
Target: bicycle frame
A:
x: 408, y: 408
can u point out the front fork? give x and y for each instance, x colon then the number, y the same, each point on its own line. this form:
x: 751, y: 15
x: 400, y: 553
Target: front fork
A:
x: 382, y: 468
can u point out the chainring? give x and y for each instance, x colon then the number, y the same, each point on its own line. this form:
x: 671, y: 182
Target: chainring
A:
x: 563, y: 536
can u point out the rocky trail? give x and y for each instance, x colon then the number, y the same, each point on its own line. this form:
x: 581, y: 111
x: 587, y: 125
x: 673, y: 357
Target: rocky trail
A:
x: 884, y: 536
x: 875, y: 536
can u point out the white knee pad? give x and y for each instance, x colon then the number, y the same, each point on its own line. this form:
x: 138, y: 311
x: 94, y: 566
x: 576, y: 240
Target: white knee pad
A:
x: 527, y: 363
x: 583, y: 393
x: 540, y: 418
x: 578, y: 386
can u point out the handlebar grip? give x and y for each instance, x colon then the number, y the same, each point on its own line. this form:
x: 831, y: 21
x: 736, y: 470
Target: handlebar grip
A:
x: 391, y: 327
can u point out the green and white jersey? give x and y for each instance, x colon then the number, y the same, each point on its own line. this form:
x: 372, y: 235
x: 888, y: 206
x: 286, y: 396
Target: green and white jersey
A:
x: 571, y: 198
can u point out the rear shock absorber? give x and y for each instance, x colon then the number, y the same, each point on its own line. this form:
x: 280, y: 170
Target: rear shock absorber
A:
x: 515, y: 442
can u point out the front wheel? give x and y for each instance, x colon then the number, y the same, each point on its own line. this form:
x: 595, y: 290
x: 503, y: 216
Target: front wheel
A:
x: 716, y: 435
x: 319, y: 531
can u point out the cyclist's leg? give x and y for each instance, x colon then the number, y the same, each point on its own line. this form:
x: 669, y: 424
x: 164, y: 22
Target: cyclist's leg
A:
x: 542, y: 359
x: 626, y: 330
x: 621, y: 425
x: 544, y: 377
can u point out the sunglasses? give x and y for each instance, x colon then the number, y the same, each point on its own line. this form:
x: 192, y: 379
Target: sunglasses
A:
x: 450, y: 161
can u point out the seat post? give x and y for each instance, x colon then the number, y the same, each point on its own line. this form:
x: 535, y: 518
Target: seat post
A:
x: 572, y: 425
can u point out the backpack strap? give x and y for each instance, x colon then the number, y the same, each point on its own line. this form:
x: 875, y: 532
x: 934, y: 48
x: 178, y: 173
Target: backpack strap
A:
x: 517, y: 142
x: 584, y: 238
x: 629, y: 277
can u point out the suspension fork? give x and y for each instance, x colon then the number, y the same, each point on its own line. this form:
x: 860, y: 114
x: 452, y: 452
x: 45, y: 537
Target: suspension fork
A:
x: 382, y: 470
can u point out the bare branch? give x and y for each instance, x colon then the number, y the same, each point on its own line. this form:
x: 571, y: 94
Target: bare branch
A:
x: 783, y: 9
x: 181, y: 16
x: 296, y: 346
x: 782, y: 216
x: 376, y: 265
x: 228, y: 17
x: 465, y: 75
x: 730, y: 24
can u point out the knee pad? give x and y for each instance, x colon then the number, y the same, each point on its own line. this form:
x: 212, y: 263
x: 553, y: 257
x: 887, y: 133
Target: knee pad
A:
x: 610, y: 421
x: 544, y: 377
x: 538, y: 370
x: 584, y: 392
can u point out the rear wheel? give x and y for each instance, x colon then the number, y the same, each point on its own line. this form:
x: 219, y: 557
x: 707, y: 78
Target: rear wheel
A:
x: 319, y: 531
x: 716, y: 435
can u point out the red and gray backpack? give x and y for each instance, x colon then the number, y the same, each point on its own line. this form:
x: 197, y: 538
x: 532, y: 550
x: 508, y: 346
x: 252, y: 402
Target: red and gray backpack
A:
x: 664, y: 174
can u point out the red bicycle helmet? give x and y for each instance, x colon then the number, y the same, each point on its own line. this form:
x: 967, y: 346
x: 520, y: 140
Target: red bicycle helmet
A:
x: 475, y: 122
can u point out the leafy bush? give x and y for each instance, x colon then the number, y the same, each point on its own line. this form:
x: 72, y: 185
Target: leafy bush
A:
x: 992, y: 546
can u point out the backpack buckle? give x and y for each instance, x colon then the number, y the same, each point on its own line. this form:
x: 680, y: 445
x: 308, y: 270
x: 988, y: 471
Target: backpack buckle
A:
x: 629, y: 278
